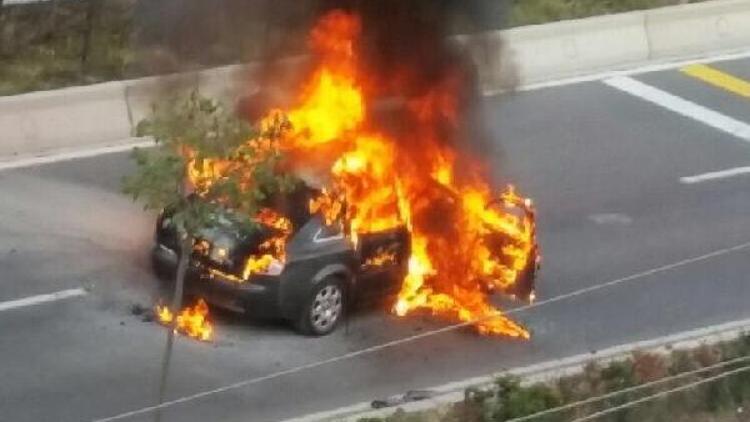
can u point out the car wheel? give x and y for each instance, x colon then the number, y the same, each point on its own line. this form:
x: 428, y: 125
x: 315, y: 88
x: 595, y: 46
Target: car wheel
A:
x: 324, y: 308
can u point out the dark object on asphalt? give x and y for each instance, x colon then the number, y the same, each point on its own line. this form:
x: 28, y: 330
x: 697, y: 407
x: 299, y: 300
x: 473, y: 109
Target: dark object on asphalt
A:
x: 137, y: 309
x: 410, y: 396
x: 146, y: 314
x: 323, y: 275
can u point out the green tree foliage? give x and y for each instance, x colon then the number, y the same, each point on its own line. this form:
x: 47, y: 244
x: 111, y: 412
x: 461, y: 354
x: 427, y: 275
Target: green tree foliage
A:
x: 190, y: 132
x: 512, y: 400
x: 195, y: 130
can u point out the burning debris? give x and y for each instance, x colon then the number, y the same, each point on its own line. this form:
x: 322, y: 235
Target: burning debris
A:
x: 464, y: 240
x: 273, y: 250
x: 380, y: 259
x: 191, y: 321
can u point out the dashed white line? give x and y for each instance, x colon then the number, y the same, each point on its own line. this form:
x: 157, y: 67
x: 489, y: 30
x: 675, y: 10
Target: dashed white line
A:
x: 39, y: 299
x: 681, y: 106
x: 714, y: 175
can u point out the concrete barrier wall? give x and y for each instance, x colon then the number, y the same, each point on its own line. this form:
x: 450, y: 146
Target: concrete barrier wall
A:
x: 697, y: 29
x: 107, y: 113
x: 570, y: 48
x: 559, y: 50
x: 64, y: 118
x: 227, y: 83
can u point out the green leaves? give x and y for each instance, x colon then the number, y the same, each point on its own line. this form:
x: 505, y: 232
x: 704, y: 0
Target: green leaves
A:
x: 514, y: 400
x: 193, y: 131
x: 202, y: 124
x: 157, y: 183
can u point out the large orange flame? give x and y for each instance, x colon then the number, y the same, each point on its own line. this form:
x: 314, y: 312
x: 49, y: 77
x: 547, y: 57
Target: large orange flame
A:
x: 462, y: 237
x: 191, y: 321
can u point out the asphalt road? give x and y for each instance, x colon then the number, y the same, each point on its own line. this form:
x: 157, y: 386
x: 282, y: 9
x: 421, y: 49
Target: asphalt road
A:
x: 603, y: 166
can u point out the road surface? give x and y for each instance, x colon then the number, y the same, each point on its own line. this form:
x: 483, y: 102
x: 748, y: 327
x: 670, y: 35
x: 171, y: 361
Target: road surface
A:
x: 605, y: 166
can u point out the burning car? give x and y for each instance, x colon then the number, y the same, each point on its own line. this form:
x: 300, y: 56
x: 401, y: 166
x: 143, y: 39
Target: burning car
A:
x: 403, y: 208
x: 321, y: 272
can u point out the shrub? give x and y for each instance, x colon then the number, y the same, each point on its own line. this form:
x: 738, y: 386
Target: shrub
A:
x: 526, y: 12
x: 648, y: 367
x: 513, y: 400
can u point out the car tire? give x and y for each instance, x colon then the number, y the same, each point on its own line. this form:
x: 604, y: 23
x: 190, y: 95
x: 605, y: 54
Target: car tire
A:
x: 324, y: 308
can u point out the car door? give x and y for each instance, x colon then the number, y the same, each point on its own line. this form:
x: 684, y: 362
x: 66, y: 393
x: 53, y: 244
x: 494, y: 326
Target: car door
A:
x: 382, y: 261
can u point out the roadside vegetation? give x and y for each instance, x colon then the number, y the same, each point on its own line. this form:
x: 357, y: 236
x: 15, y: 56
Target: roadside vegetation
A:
x: 59, y: 43
x: 531, y: 12
x: 194, y: 133
x: 55, y: 44
x: 599, y: 390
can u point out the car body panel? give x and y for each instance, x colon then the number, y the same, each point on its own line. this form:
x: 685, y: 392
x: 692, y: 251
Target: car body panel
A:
x: 314, y: 252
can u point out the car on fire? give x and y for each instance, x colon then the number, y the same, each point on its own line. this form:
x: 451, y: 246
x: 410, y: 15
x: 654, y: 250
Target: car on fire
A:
x: 324, y: 272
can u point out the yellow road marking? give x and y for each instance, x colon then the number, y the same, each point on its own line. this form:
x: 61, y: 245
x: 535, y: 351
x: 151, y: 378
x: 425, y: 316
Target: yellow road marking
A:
x: 718, y: 78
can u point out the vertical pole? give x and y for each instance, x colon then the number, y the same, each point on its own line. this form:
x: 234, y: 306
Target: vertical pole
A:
x: 185, y: 249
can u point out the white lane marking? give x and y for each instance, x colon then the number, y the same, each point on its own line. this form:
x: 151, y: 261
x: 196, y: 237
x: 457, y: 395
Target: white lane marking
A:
x: 424, y: 334
x: 681, y: 106
x: 39, y: 299
x: 53, y: 157
x: 611, y: 218
x: 637, y: 69
x: 714, y: 175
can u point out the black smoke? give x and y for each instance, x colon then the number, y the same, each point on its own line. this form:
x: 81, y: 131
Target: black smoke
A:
x: 408, y: 47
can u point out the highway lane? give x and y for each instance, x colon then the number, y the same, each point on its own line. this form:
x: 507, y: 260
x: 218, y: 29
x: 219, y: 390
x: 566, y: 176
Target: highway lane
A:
x: 603, y: 166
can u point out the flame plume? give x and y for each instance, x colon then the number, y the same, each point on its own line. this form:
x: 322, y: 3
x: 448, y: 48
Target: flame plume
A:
x: 463, y: 239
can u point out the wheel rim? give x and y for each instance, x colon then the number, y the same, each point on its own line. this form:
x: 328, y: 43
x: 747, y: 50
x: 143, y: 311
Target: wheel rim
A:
x: 326, y: 309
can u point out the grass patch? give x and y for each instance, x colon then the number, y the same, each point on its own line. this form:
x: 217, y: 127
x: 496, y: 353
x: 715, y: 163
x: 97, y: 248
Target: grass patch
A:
x: 532, y: 12
x: 69, y: 42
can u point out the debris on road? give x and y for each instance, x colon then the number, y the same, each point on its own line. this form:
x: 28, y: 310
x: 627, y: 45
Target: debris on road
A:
x: 410, y: 396
x: 146, y: 314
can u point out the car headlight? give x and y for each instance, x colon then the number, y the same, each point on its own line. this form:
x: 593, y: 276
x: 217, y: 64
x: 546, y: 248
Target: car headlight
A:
x: 263, y: 264
x: 219, y: 254
x: 221, y: 249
